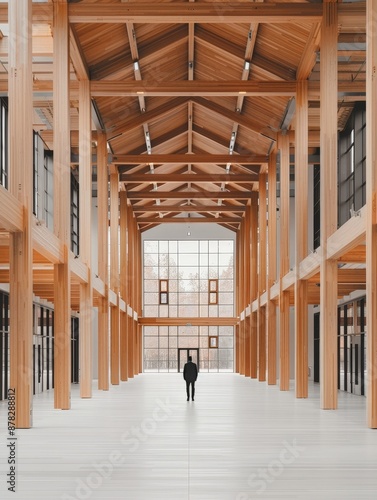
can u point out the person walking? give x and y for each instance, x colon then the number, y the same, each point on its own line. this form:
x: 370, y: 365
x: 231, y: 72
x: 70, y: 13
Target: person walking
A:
x: 190, y: 374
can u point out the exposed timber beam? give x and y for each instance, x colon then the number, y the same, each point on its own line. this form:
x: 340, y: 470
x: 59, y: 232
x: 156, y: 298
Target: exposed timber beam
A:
x: 188, y: 208
x: 194, y: 13
x: 237, y: 178
x: 189, y: 195
x: 349, y: 14
x: 41, y: 12
x: 189, y: 220
x: 105, y: 88
x: 160, y: 159
x: 11, y: 211
x: 184, y: 89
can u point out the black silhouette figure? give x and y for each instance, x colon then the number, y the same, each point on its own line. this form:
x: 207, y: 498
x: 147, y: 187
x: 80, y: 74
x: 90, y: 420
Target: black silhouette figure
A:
x: 190, y: 374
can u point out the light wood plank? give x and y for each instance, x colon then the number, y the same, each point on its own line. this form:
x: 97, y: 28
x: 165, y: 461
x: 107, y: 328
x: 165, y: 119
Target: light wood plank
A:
x: 105, y: 88
x: 254, y: 285
x: 191, y: 195
x: 262, y: 276
x: 159, y: 159
x: 371, y: 225
x: 11, y: 211
x: 103, y: 272
x: 194, y: 13
x: 283, y: 145
x: 329, y: 268
x: 114, y: 277
x: 272, y: 273
x: 62, y: 180
x: 85, y: 190
x: 166, y: 178
x: 301, y: 239
x: 20, y: 252
x: 124, y: 284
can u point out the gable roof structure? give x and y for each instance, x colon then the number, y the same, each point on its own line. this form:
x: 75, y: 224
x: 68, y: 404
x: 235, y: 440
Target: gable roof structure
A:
x: 192, y: 95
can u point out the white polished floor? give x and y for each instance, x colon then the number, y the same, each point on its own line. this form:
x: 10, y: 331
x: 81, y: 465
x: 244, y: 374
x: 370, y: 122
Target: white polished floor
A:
x: 239, y: 440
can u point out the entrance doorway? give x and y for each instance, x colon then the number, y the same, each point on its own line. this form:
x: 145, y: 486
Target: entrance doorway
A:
x: 183, y: 355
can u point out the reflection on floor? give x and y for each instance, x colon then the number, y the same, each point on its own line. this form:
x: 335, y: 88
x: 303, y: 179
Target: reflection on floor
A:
x: 239, y: 440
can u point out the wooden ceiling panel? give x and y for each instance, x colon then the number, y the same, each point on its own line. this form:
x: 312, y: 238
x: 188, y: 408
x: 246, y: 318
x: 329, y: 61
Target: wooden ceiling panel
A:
x: 218, y: 49
x: 115, y: 50
x: 250, y: 141
x: 211, y: 64
x: 172, y: 66
x: 282, y: 45
x: 125, y: 143
x: 237, y: 34
x: 267, y: 112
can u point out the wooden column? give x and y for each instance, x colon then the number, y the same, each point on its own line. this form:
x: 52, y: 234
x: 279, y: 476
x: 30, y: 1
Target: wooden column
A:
x: 241, y: 343
x: 21, y: 167
x: 131, y: 248
x: 262, y: 278
x: 247, y: 343
x: 62, y: 209
x: 283, y: 145
x: 114, y: 277
x: 139, y: 301
x: 329, y: 209
x: 301, y: 243
x: 238, y: 304
x: 254, y: 285
x: 103, y: 266
x: 123, y: 341
x: 272, y: 272
x: 247, y: 291
x: 86, y: 290
x: 137, y: 282
x: 371, y: 229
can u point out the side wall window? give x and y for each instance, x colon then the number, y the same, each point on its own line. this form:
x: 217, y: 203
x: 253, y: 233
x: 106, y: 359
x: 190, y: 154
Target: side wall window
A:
x: 74, y: 216
x: 351, y: 165
x: 4, y: 142
x: 43, y: 182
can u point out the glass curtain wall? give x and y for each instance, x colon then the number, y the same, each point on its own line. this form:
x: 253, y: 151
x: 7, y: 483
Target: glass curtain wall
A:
x: 190, y: 279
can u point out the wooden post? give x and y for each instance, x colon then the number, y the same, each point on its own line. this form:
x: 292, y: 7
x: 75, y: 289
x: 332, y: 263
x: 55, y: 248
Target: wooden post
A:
x: 301, y: 246
x: 114, y: 277
x: 139, y: 301
x: 103, y: 266
x: 241, y: 343
x: 238, y: 305
x: 62, y: 209
x: 123, y: 286
x: 131, y: 290
x: 371, y: 229
x: 329, y: 208
x: 283, y: 145
x: 262, y: 278
x: 247, y: 343
x: 254, y: 285
x: 86, y: 290
x: 136, y: 279
x: 272, y: 246
x: 20, y: 253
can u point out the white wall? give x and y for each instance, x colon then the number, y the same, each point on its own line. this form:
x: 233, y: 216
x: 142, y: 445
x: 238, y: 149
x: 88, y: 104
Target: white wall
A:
x: 199, y: 231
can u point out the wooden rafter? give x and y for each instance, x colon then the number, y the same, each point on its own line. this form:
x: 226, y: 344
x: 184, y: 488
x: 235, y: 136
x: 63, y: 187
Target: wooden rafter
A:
x: 185, y: 158
x: 189, y: 195
x: 164, y: 178
x: 106, y: 88
x: 194, y: 13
